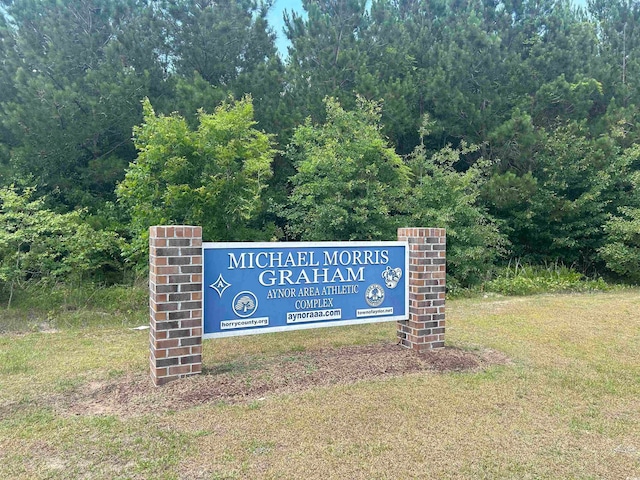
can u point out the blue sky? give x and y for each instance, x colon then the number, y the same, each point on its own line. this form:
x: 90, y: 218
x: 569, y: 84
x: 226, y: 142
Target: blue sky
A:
x: 275, y: 19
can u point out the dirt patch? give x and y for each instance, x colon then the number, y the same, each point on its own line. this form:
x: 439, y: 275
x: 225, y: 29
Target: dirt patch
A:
x: 254, y: 378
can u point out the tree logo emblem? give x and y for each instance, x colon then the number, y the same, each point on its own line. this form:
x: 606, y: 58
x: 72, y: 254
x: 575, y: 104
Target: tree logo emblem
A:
x: 245, y: 304
x: 374, y: 295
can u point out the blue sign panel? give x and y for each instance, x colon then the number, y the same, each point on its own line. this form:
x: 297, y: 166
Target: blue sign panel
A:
x: 268, y: 287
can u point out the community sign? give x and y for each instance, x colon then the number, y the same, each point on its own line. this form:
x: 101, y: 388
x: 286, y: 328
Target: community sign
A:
x: 253, y: 288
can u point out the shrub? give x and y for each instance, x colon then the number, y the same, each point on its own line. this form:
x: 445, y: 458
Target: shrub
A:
x: 443, y: 197
x: 39, y: 244
x: 350, y: 184
x: 622, y: 251
x: 213, y: 176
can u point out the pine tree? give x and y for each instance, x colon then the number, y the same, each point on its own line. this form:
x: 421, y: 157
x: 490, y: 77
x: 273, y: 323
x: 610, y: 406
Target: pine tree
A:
x: 76, y: 93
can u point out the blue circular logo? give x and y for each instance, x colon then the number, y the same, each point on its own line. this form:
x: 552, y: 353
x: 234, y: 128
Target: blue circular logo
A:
x: 245, y: 304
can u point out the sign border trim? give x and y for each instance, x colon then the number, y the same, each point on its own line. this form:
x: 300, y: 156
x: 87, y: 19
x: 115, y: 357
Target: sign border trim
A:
x: 306, y: 326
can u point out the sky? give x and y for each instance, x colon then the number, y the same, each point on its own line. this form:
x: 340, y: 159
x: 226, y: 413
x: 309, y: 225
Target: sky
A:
x: 275, y: 19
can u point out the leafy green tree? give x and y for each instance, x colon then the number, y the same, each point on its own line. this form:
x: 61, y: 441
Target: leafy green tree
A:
x: 350, y: 184
x: 213, y: 176
x: 559, y: 191
x: 443, y: 197
x: 574, y: 175
x: 38, y: 244
x: 621, y: 246
x: 622, y: 251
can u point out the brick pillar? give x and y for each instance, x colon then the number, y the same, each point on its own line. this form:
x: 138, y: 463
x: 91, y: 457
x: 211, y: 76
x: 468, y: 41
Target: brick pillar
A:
x: 175, y: 302
x: 424, y: 330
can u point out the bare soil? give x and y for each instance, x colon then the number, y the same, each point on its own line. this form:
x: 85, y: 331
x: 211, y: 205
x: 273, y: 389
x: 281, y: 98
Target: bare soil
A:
x: 250, y: 379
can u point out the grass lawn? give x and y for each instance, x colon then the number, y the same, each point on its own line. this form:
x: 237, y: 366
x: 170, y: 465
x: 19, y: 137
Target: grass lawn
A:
x: 566, y: 405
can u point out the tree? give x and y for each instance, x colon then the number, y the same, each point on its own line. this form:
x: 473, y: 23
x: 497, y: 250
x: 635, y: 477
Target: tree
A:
x: 621, y: 245
x: 350, y: 184
x: 6, y: 93
x: 560, y: 192
x: 213, y: 176
x: 228, y: 45
x: 622, y: 251
x: 325, y: 55
x: 617, y: 64
x: 446, y: 198
x: 76, y: 92
x: 245, y: 303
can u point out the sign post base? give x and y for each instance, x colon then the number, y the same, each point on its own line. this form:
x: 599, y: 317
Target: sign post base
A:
x: 424, y: 330
x: 175, y: 302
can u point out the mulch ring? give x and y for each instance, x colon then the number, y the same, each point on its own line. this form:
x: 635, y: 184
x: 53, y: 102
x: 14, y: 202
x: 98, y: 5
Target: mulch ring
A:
x: 255, y: 378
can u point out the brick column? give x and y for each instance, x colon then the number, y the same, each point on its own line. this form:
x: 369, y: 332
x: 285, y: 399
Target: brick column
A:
x: 175, y: 302
x: 427, y: 275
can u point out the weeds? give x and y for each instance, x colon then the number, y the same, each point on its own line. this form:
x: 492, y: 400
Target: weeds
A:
x: 42, y: 307
x: 518, y: 279
x: 522, y: 279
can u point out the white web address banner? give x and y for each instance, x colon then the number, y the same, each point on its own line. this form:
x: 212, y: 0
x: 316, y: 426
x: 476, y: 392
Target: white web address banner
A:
x: 245, y: 323
x: 374, y: 312
x: 314, y: 315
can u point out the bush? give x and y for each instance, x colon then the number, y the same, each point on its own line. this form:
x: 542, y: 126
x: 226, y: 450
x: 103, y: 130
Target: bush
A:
x: 622, y: 251
x: 37, y: 244
x: 213, y: 176
x: 350, y: 184
x: 446, y: 198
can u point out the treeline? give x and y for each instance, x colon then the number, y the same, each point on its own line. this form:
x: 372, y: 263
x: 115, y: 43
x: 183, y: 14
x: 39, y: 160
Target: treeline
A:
x: 512, y: 123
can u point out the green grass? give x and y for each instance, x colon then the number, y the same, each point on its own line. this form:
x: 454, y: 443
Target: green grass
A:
x: 567, y: 406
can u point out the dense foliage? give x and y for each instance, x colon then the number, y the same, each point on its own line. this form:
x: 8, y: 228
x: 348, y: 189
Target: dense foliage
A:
x: 514, y: 124
x: 212, y: 176
x: 349, y: 185
x: 38, y: 244
x: 443, y: 196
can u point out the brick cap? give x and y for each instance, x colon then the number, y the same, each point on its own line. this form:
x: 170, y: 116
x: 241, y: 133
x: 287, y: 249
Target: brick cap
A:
x: 167, y: 226
x: 421, y: 232
x: 173, y: 231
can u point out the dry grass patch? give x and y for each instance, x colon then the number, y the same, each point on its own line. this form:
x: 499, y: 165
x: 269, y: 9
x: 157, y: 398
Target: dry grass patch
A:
x: 256, y: 378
